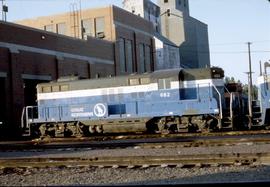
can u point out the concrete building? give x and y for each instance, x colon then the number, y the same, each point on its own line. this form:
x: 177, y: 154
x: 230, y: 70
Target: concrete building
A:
x: 186, y: 32
x: 167, y: 53
x: 145, y: 9
x: 30, y: 56
x: 133, y: 35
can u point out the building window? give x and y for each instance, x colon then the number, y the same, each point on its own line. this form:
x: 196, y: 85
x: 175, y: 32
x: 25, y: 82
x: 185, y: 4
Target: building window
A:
x: 142, y: 58
x: 129, y: 55
x: 165, y: 1
x: 133, y: 9
x: 61, y: 28
x: 126, y: 55
x: 147, y: 58
x: 48, y: 28
x: 122, y: 56
x: 88, y: 28
x: 185, y: 3
x: 100, y: 27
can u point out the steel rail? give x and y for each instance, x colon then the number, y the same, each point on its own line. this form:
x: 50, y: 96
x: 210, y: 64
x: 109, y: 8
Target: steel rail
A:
x: 207, y: 160
x: 142, y: 143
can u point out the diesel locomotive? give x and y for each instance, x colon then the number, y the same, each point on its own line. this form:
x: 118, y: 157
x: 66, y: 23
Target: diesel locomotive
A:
x: 176, y: 100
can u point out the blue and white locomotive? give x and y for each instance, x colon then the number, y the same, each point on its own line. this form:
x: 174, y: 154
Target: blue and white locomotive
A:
x: 168, y: 100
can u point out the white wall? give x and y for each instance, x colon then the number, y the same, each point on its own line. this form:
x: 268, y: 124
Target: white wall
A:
x: 145, y: 9
x: 167, y: 56
x: 137, y: 5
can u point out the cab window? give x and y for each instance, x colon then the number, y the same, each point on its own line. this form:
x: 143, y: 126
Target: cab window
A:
x: 164, y: 84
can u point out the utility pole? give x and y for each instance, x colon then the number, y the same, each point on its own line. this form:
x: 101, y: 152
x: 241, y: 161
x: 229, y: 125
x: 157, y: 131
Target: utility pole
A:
x: 250, y: 85
x: 250, y: 69
x: 261, y: 73
x: 80, y: 20
x: 2, y: 9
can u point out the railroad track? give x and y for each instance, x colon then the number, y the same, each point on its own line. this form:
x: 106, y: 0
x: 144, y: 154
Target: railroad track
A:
x: 154, y: 143
x: 151, y: 136
x: 183, y: 161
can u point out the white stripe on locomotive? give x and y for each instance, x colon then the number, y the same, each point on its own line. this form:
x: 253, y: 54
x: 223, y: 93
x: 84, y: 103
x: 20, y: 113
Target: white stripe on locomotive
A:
x: 126, y: 89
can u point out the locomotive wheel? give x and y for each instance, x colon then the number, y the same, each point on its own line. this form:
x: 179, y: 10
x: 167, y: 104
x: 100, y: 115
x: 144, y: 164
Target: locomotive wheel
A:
x: 192, y: 128
x: 162, y: 127
x: 92, y: 129
x: 47, y: 130
x: 99, y: 129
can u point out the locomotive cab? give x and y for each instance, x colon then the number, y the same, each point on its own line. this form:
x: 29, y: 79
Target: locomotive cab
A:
x: 201, y: 86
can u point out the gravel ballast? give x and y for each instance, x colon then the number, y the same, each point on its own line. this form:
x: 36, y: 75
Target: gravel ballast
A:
x: 149, y: 176
x: 124, y: 176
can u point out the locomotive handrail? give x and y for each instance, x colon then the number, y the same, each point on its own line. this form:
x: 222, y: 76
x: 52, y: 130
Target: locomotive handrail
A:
x: 25, y: 126
x: 231, y: 105
x: 220, y: 102
x: 27, y: 116
x: 25, y: 113
x: 22, y: 118
x: 227, y: 89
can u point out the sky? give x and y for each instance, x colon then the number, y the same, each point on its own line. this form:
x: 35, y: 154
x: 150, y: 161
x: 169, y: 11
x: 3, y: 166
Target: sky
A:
x: 231, y: 24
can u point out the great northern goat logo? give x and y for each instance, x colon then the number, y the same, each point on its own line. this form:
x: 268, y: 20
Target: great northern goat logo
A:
x: 100, y: 110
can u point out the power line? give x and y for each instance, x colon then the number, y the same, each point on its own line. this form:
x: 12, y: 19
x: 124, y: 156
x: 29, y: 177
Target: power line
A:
x: 239, y: 52
x: 224, y: 52
x: 222, y: 44
x: 231, y: 43
x: 240, y: 43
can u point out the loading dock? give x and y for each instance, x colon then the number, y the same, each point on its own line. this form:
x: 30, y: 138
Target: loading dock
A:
x: 29, y: 84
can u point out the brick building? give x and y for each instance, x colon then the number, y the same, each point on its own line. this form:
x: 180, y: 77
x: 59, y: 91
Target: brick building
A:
x: 133, y: 35
x: 30, y: 56
x: 122, y: 44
